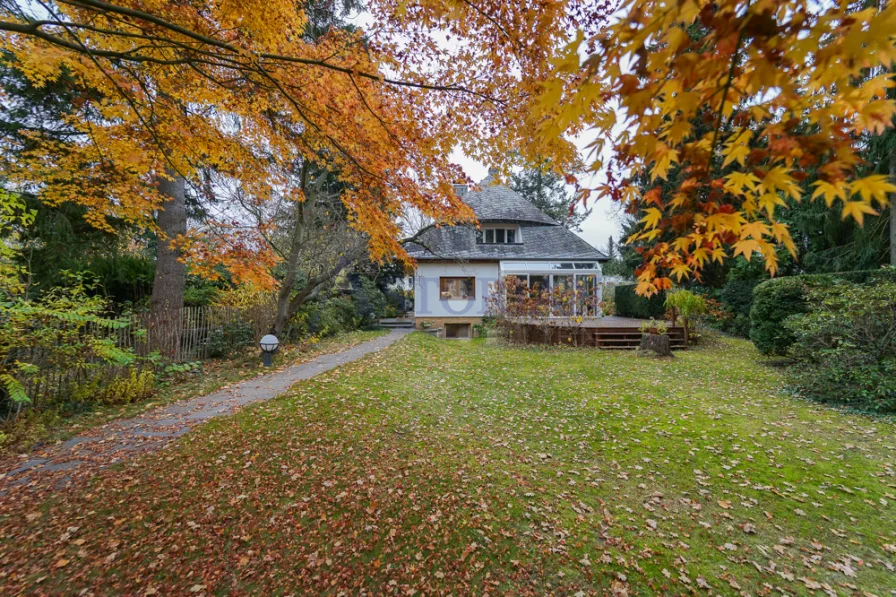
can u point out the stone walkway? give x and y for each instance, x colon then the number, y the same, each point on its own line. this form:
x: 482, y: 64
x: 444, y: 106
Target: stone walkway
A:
x: 57, y: 466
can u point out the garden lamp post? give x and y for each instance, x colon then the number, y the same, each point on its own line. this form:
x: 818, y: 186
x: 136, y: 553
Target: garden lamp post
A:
x: 268, y: 344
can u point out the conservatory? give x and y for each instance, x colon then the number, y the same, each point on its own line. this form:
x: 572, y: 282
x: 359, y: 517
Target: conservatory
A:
x: 583, y: 276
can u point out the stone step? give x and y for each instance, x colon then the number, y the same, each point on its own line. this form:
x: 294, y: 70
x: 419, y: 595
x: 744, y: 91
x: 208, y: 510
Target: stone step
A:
x: 397, y: 323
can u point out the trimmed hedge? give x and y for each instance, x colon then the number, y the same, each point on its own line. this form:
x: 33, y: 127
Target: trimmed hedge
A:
x: 737, y: 298
x: 629, y: 304
x: 777, y: 299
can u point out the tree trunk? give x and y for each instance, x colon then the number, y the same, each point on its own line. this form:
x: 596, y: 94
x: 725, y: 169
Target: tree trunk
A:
x: 893, y: 208
x: 283, y: 296
x: 171, y: 273
x: 658, y: 343
x: 284, y: 312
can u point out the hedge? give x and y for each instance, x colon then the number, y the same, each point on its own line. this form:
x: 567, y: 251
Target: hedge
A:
x: 737, y: 297
x: 777, y: 299
x: 629, y: 304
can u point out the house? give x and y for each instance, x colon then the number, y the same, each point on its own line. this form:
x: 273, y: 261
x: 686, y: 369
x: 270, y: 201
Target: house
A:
x: 457, y: 265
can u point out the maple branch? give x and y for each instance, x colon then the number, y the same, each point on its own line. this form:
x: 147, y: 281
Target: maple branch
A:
x: 728, y: 82
x: 81, y: 48
x: 103, y: 7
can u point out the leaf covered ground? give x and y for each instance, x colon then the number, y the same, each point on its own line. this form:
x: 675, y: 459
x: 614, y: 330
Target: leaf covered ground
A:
x: 32, y: 431
x: 465, y: 467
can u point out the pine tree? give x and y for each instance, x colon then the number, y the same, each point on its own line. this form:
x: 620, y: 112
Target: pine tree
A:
x: 546, y: 190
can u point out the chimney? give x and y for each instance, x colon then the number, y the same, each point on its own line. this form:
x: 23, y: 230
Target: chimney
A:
x: 460, y: 190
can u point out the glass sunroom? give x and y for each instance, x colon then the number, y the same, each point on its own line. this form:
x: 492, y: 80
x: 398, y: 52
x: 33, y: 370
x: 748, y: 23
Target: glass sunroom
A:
x: 585, y: 276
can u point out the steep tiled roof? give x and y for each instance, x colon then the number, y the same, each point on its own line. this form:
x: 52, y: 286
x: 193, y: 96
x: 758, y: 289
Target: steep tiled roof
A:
x: 539, y: 242
x: 542, y: 237
x: 498, y: 203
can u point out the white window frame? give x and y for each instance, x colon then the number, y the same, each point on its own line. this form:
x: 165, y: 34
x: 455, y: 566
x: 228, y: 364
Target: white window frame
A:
x: 484, y: 230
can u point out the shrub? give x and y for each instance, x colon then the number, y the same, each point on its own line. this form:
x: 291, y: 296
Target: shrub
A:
x: 47, y: 342
x: 327, y: 317
x: 688, y: 306
x: 777, y: 299
x: 133, y: 386
x: 845, y: 345
x: 607, y: 307
x: 630, y: 304
x: 369, y: 301
x: 221, y: 341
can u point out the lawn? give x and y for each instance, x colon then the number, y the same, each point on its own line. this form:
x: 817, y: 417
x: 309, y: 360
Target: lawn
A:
x: 467, y: 467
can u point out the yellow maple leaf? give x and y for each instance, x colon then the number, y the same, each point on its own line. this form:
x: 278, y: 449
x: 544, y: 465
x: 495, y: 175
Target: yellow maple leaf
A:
x: 778, y: 179
x: 746, y: 248
x: 857, y: 210
x: 681, y: 270
x: 873, y: 188
x: 645, y: 288
x: 664, y: 156
x: 651, y: 217
x: 830, y: 191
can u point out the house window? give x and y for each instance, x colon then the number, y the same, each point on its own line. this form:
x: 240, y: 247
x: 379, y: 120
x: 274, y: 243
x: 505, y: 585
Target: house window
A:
x: 497, y: 236
x: 457, y: 288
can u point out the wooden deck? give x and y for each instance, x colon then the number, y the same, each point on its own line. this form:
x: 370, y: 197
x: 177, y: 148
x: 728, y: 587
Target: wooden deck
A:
x: 609, y: 333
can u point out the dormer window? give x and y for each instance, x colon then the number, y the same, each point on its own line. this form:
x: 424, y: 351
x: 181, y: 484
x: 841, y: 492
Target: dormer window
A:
x: 498, y: 235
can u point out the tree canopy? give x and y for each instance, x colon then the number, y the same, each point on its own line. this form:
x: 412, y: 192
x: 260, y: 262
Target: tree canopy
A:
x: 546, y: 190
x: 783, y: 87
x: 246, y: 90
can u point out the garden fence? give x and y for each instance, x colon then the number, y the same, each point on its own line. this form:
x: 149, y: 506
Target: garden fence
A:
x: 177, y: 335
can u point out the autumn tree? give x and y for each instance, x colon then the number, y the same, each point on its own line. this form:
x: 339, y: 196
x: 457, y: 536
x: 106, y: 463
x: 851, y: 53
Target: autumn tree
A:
x: 241, y: 89
x: 312, y: 238
x: 760, y: 71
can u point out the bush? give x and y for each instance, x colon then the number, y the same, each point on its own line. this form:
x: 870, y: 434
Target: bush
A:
x: 777, y: 299
x: 229, y: 337
x: 47, y: 342
x: 369, y: 301
x: 845, y: 345
x: 326, y: 317
x: 686, y: 305
x: 629, y: 304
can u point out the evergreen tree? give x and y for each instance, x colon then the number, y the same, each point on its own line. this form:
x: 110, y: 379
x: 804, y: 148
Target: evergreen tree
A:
x: 547, y: 191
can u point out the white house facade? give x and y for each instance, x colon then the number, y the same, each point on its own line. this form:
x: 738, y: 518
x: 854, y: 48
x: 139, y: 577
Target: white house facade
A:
x: 458, y: 266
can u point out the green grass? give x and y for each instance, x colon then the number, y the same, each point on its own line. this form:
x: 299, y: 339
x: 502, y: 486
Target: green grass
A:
x: 466, y: 467
x: 52, y: 425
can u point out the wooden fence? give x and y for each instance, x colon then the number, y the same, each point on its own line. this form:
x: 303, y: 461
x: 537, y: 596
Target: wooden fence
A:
x: 178, y: 335
x: 193, y: 333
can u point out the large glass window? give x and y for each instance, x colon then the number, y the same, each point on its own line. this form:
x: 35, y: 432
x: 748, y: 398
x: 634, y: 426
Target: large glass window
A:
x: 457, y: 288
x: 563, y: 297
x: 539, y: 283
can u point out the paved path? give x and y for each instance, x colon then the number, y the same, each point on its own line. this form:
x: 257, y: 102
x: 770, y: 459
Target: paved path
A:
x: 120, y: 440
